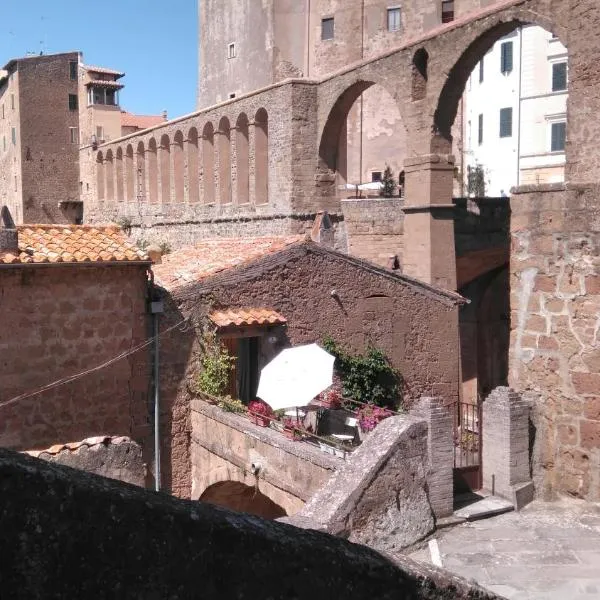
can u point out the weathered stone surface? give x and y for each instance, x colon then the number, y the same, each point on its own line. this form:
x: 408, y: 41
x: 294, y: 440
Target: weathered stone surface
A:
x: 69, y: 534
x: 379, y: 496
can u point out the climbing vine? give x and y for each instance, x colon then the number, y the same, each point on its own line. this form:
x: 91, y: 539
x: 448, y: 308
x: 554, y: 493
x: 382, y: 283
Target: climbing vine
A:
x: 215, y: 365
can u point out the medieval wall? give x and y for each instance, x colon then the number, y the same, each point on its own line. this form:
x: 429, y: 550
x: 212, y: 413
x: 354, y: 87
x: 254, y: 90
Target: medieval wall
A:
x: 56, y: 322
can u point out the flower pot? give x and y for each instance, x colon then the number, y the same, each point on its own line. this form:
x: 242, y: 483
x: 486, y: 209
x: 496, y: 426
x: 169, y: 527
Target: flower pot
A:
x: 260, y: 421
x: 290, y: 434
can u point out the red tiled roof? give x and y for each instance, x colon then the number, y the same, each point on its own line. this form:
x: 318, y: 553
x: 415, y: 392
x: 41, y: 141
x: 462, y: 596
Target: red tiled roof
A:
x: 246, y: 316
x: 210, y: 257
x: 140, y: 121
x: 73, y: 446
x: 95, y: 69
x: 72, y: 244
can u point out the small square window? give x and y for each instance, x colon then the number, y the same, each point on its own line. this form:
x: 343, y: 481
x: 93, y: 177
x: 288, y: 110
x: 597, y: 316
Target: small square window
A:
x: 480, y: 130
x: 74, y: 135
x: 376, y: 176
x: 559, y: 137
x: 559, y: 77
x: 232, y: 95
x: 447, y: 11
x: 327, y: 28
x: 231, y: 50
x: 506, y: 58
x: 393, y: 19
x: 73, y: 66
x: 506, y: 119
x: 73, y: 104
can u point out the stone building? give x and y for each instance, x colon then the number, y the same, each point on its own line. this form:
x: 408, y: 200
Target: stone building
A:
x: 73, y: 298
x: 263, y: 294
x: 49, y: 106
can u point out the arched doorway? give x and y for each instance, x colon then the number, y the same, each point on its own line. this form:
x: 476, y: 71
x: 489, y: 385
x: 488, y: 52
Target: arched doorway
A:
x: 242, y: 498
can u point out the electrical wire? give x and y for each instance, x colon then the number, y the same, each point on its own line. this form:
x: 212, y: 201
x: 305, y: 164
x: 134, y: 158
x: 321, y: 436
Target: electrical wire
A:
x: 81, y: 374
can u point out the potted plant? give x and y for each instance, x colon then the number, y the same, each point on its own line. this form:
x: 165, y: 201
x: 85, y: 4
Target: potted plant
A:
x: 331, y: 399
x: 290, y: 429
x: 370, y: 415
x: 260, y: 413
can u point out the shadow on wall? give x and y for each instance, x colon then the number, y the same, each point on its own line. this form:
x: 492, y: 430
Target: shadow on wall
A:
x: 242, y: 498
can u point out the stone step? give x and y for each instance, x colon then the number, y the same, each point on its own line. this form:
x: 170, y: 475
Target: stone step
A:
x: 489, y: 506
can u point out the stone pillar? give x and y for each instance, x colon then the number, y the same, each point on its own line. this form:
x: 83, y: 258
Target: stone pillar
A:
x: 429, y: 252
x: 505, y: 450
x: 440, y: 454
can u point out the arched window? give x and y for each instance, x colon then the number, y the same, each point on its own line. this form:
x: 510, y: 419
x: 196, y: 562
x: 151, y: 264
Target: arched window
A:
x: 140, y: 174
x: 224, y: 148
x: 165, y: 169
x: 152, y: 172
x: 261, y: 157
x: 178, y: 167
x: 192, y: 166
x: 110, y: 176
x: 119, y: 169
x: 208, y: 164
x: 242, y: 160
x: 100, y: 176
x: 129, y: 174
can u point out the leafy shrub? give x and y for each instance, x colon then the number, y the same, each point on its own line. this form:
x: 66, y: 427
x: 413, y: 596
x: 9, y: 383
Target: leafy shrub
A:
x: 216, y: 365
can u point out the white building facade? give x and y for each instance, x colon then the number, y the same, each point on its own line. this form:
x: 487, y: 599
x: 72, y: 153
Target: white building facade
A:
x: 515, y: 113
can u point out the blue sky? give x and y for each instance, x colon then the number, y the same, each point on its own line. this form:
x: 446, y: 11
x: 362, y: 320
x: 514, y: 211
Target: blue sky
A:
x: 153, y: 41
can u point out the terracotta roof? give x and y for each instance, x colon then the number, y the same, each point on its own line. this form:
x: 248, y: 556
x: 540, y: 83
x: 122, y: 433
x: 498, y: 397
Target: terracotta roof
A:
x: 209, y: 257
x: 72, y: 244
x: 105, y: 83
x: 246, y: 316
x: 73, y: 446
x: 140, y: 121
x: 95, y: 69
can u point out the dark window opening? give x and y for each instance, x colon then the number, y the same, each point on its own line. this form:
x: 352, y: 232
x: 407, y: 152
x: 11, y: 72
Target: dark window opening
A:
x: 73, y: 70
x: 506, y: 115
x: 481, y: 70
x: 327, y: 28
x: 480, y: 131
x: 73, y: 104
x: 447, y: 11
x: 506, y: 57
x: 559, y: 137
x: 393, y: 19
x: 376, y: 176
x: 243, y: 379
x: 559, y: 77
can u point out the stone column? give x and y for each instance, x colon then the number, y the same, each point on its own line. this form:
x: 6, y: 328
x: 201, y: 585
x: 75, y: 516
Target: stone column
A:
x: 440, y: 454
x: 429, y: 252
x: 505, y: 450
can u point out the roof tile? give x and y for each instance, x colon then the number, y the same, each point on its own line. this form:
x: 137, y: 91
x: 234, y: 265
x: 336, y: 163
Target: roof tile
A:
x: 239, y: 317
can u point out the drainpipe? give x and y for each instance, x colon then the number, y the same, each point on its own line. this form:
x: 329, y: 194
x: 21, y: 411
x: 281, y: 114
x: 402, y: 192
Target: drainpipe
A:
x: 520, y: 107
x: 156, y: 308
x: 362, y: 56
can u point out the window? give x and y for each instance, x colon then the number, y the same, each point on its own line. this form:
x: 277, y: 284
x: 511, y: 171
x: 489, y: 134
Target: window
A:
x: 480, y: 130
x: 12, y: 101
x: 110, y: 97
x: 393, y: 19
x: 100, y: 133
x: 559, y: 135
x: 73, y: 102
x: 73, y: 70
x: 4, y: 143
x: 13, y: 135
x: 16, y: 184
x: 376, y: 176
x: 506, y: 58
x: 481, y: 70
x: 327, y: 28
x: 447, y: 11
x: 243, y: 378
x: 232, y: 95
x: 559, y: 77
x: 74, y: 135
x: 231, y: 50
x: 506, y: 122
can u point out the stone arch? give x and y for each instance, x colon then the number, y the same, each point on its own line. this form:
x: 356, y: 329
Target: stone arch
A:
x: 224, y: 154
x: 192, y: 166
x: 100, y: 176
x: 242, y: 498
x: 208, y: 163
x: 110, y: 176
x: 140, y: 182
x: 419, y: 76
x: 454, y: 85
x: 261, y: 156
x: 119, y: 170
x: 152, y: 167
x: 129, y: 175
x: 165, y: 168
x: 178, y: 167
x: 242, y: 159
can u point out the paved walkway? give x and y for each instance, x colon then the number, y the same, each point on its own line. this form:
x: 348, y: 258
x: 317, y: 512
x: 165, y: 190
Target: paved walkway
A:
x: 548, y: 551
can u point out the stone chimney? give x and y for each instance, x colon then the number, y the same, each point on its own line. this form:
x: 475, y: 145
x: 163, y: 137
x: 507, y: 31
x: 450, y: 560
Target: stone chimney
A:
x: 322, y: 230
x: 164, y: 115
x: 9, y: 237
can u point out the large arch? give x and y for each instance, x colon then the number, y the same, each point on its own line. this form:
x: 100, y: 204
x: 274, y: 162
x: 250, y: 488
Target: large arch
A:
x: 224, y: 153
x: 129, y: 174
x: 242, y: 498
x: 261, y: 157
x: 100, y: 176
x: 242, y: 157
x: 119, y: 169
x: 178, y: 167
x: 165, y: 169
x: 192, y: 166
x: 208, y: 164
x: 110, y: 176
x: 152, y: 166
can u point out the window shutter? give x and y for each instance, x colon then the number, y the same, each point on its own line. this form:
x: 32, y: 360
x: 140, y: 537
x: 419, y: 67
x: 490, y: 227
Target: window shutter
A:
x: 506, y: 122
x: 506, y: 57
x: 559, y: 135
x: 480, y: 133
x: 559, y: 77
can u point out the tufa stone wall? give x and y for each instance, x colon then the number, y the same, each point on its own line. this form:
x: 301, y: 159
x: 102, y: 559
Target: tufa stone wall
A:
x: 58, y: 321
x: 64, y: 532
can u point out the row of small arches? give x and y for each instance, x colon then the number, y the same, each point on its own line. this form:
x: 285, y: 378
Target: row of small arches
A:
x: 208, y: 163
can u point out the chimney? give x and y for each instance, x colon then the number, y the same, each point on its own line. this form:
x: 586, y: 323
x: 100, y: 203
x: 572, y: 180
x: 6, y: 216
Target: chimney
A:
x: 322, y: 230
x: 9, y: 238
x: 164, y: 115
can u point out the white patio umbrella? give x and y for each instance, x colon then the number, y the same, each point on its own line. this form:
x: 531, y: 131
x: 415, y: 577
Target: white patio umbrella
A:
x: 295, y: 376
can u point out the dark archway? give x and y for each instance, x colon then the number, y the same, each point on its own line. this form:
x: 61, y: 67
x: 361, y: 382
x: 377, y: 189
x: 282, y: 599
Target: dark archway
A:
x: 242, y: 498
